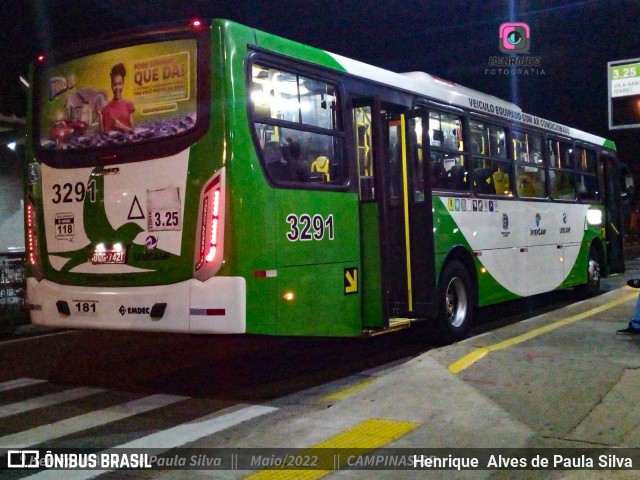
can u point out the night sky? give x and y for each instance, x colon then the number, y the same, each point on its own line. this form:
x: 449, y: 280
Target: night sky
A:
x: 452, y: 39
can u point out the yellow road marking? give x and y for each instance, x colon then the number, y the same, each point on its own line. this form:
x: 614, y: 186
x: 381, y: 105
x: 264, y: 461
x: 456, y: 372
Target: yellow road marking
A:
x: 347, y: 392
x: 365, y: 437
x: 477, y: 354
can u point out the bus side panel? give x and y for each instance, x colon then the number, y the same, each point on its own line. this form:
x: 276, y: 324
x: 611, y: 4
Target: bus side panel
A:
x: 520, y: 248
x: 371, y: 275
x: 318, y: 304
x: 250, y: 245
x: 448, y: 236
x: 490, y: 290
x: 318, y: 263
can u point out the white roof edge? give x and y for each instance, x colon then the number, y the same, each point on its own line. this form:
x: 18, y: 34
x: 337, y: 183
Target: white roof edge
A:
x: 456, y: 95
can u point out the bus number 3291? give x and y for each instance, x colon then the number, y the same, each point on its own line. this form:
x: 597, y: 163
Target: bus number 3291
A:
x: 69, y: 193
x: 305, y: 227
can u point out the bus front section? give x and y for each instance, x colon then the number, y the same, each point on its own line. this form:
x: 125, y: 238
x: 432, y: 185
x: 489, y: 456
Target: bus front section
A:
x: 125, y: 188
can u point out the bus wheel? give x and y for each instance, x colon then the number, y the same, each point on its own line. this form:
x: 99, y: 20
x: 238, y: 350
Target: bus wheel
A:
x: 592, y: 287
x: 455, y: 299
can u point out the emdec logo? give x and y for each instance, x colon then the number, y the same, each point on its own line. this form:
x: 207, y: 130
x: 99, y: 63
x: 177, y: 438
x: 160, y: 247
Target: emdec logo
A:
x: 515, y: 37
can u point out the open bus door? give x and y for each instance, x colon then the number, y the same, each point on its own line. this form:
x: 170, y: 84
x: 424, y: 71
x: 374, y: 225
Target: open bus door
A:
x: 406, y: 220
x: 613, y: 212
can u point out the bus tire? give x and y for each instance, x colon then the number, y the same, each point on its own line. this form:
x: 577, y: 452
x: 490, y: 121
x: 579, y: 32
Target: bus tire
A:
x: 456, y: 296
x: 592, y: 287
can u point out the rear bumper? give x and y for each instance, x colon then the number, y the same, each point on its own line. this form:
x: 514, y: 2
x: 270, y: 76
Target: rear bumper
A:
x: 217, y: 305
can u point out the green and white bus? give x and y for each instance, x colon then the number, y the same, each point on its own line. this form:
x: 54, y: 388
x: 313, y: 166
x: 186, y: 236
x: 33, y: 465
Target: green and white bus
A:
x: 213, y: 178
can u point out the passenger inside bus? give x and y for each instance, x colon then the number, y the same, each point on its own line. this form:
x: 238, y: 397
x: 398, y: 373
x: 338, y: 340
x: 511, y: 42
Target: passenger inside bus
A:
x: 483, y: 181
x: 276, y: 165
x: 457, y: 178
x: 287, y: 167
x: 291, y: 154
x: 438, y: 172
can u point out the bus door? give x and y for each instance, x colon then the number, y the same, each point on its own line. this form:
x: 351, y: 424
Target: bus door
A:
x: 613, y: 213
x: 406, y: 221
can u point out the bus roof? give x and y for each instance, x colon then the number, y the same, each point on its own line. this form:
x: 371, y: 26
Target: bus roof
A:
x: 436, y: 88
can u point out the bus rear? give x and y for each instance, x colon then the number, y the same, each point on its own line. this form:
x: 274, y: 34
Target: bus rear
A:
x: 125, y: 188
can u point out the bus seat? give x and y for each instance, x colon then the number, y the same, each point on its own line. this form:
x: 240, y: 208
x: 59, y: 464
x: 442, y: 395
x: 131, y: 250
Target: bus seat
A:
x: 501, y: 182
x: 526, y: 186
x: 320, y: 169
x: 483, y: 180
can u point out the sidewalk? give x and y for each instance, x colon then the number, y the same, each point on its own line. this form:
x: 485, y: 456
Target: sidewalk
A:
x: 560, y: 380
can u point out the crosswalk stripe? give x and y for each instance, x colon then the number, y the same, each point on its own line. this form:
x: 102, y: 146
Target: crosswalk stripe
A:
x: 79, y: 423
x: 166, y: 439
x: 47, y: 400
x: 18, y: 383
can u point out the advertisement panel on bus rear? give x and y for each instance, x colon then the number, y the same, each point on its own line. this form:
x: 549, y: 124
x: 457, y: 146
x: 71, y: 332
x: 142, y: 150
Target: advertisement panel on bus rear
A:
x: 118, y: 97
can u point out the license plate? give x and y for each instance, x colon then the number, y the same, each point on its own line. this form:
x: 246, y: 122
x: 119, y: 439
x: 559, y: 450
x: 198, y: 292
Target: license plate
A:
x: 109, y: 256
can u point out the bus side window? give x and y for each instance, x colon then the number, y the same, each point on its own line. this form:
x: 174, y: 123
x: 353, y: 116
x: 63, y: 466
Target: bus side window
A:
x: 562, y: 176
x: 563, y: 184
x: 492, y: 169
x: 530, y: 174
x: 588, y: 185
x: 448, y: 160
x: 362, y: 129
x: 301, y: 115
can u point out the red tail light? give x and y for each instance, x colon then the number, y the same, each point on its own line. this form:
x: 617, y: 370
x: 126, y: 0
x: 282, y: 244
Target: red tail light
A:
x: 33, y: 250
x: 215, y: 220
x: 211, y: 236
